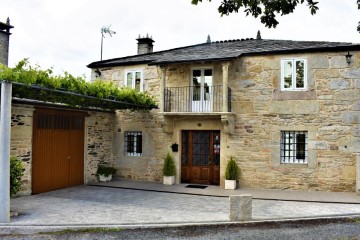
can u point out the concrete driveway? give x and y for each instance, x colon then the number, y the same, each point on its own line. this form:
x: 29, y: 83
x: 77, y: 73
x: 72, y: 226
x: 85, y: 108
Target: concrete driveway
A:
x: 96, y: 205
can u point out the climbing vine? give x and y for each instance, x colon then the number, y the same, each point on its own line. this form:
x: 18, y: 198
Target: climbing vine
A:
x: 42, y: 85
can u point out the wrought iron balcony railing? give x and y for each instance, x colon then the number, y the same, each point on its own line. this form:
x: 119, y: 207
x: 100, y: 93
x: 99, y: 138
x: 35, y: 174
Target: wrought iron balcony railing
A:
x: 195, y: 99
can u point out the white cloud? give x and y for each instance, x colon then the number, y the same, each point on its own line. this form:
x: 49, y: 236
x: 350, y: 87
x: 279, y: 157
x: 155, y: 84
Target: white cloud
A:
x: 66, y: 34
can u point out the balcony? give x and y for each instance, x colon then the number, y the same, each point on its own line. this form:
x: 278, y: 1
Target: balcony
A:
x: 196, y: 99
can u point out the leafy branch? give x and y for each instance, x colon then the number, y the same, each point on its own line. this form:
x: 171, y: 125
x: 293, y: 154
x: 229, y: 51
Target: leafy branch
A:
x: 97, y: 94
x: 266, y: 9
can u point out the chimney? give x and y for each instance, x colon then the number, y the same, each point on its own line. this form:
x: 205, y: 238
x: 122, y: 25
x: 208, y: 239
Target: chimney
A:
x: 208, y: 40
x: 145, y: 44
x: 4, y: 41
x: 258, y: 35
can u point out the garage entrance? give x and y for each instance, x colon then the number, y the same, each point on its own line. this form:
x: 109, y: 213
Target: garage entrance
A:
x: 58, y: 150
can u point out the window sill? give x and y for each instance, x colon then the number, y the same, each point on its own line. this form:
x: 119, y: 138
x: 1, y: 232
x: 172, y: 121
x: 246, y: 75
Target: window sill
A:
x: 294, y: 94
x: 294, y: 165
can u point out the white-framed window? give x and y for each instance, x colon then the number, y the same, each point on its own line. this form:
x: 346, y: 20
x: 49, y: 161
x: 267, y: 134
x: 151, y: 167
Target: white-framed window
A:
x: 134, y: 79
x: 293, y: 74
x: 294, y: 147
x: 133, y: 143
x: 202, y: 89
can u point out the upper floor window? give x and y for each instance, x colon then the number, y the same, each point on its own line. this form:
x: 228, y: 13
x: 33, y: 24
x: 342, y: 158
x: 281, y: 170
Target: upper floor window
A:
x: 134, y: 79
x: 293, y: 74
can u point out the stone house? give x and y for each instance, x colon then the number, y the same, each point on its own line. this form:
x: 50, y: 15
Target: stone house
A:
x: 287, y: 111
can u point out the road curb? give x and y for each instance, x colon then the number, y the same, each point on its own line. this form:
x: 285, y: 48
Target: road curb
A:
x: 34, y: 228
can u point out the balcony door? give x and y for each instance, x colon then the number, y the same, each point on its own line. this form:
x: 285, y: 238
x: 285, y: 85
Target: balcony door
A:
x: 201, y: 90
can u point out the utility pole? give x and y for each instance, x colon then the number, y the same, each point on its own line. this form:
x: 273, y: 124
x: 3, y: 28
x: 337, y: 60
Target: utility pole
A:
x: 104, y: 31
x: 5, y: 126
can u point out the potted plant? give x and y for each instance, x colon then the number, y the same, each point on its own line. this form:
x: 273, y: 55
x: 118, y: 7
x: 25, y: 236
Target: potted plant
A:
x: 169, y: 170
x: 105, y: 172
x: 231, y: 174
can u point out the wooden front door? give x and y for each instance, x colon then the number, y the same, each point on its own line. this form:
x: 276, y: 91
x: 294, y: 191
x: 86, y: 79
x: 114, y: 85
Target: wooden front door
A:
x: 58, y: 150
x: 200, y: 157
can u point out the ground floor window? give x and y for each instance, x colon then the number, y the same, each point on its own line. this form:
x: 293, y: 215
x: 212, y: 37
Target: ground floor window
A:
x: 294, y: 147
x: 133, y: 143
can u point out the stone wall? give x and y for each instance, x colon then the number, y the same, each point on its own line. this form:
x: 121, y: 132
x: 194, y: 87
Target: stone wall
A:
x: 156, y: 143
x: 21, y: 142
x: 98, y: 143
x: 328, y: 111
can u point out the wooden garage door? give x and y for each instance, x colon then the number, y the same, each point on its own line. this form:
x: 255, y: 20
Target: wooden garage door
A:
x: 58, y: 150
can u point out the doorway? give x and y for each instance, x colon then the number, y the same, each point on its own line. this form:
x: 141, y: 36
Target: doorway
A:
x: 201, y: 90
x: 58, y: 150
x: 200, y: 157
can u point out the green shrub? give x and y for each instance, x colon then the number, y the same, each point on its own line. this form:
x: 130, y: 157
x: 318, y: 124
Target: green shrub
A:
x: 169, y: 168
x: 232, y: 170
x: 16, y: 172
x: 105, y: 170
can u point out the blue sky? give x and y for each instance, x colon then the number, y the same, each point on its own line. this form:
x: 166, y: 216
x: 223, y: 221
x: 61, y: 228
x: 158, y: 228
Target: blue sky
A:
x: 65, y: 34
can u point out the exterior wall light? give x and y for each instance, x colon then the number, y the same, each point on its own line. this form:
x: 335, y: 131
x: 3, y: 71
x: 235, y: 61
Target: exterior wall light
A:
x: 348, y: 58
x: 175, y: 147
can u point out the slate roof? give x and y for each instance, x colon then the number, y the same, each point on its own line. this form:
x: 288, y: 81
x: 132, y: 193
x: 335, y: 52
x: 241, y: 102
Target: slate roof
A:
x: 226, y: 50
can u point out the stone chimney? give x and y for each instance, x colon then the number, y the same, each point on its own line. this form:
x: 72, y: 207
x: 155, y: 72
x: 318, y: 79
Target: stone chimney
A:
x: 208, y: 40
x: 4, y: 41
x: 145, y: 44
x: 258, y: 35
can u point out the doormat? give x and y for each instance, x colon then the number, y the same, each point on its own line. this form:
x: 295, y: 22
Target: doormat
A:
x: 197, y: 186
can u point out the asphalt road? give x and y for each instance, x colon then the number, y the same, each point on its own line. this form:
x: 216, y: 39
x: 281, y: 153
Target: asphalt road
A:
x: 307, y: 230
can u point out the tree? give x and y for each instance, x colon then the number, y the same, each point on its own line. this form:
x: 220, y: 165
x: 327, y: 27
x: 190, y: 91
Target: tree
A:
x: 266, y: 9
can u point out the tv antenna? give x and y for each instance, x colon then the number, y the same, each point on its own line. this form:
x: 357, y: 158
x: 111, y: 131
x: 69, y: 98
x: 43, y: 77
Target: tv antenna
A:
x: 105, y: 31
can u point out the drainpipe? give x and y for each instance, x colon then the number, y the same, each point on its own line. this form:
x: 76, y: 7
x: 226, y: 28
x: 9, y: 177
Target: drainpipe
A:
x: 5, y: 126
x: 225, y: 69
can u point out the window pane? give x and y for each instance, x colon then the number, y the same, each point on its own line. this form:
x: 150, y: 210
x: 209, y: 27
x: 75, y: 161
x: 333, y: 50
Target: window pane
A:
x: 300, y: 82
x: 138, y: 143
x: 300, y: 146
x: 185, y: 148
x: 196, y: 73
x: 196, y: 85
x: 129, y: 79
x: 207, y: 84
x: 137, y: 80
x: 287, y: 74
x: 208, y: 72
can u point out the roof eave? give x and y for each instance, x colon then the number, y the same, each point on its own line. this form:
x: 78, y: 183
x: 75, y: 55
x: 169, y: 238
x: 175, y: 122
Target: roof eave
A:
x: 191, y: 60
x: 306, y: 50
x: 114, y: 64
